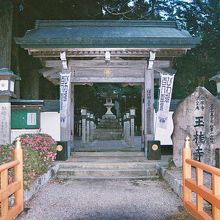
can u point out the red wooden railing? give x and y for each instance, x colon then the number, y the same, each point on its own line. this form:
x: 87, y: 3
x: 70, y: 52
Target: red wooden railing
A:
x: 16, y: 187
x: 211, y: 195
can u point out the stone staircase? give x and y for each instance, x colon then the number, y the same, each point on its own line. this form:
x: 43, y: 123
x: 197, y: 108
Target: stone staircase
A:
x: 107, y: 165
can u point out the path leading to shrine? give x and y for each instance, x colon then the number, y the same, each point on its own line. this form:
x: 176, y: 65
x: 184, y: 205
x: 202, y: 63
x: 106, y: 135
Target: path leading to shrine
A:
x: 105, y: 199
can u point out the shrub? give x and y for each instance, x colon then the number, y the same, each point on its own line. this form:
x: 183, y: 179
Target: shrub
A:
x: 39, y: 151
x: 44, y: 144
x: 6, y: 153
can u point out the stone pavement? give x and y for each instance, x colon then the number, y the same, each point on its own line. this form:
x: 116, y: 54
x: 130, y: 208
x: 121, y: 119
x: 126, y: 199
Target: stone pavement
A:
x: 108, y: 145
x: 111, y: 200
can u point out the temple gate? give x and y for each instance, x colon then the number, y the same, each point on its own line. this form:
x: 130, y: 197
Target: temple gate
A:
x: 119, y: 51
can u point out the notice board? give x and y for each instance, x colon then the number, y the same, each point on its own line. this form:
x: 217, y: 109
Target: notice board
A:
x: 25, y: 119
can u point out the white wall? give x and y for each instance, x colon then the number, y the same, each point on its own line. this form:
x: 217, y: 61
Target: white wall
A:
x: 50, y: 124
x: 164, y: 135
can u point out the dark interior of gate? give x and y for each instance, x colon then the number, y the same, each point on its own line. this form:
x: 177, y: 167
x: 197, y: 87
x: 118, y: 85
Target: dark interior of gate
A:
x: 129, y: 53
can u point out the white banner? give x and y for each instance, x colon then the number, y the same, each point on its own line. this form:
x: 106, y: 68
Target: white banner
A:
x: 65, y: 79
x: 166, y: 87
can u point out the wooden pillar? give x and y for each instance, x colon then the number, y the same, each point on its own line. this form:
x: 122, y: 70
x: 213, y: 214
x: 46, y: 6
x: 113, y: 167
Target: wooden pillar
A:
x: 72, y: 115
x: 187, y: 193
x: 18, y: 175
x: 6, y: 11
x: 65, y: 131
x: 149, y: 100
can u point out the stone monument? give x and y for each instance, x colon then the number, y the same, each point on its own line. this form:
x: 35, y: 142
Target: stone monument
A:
x: 199, y: 117
x: 108, y: 127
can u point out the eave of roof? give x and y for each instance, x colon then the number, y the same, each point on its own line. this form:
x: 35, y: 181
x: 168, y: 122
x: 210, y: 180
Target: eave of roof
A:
x: 107, y: 34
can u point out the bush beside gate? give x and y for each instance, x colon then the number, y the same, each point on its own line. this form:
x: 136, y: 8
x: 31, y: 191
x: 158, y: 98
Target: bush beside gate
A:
x: 39, y: 151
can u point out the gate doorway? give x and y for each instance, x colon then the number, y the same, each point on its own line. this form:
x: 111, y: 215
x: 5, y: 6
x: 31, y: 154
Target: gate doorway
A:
x: 127, y: 52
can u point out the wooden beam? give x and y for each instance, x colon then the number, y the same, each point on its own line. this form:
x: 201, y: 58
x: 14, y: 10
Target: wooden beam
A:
x: 47, y: 72
x: 101, y: 63
x: 99, y: 52
x: 106, y: 80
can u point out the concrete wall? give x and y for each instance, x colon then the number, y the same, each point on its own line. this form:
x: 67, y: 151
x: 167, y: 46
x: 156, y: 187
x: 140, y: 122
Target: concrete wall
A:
x: 49, y: 123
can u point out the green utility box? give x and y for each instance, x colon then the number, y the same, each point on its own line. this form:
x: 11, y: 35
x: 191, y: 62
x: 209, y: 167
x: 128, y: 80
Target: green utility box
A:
x: 153, y: 150
x: 217, y: 157
x: 62, y: 150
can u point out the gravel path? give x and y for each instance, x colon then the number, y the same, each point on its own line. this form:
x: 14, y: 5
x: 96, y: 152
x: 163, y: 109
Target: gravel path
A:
x: 111, y: 200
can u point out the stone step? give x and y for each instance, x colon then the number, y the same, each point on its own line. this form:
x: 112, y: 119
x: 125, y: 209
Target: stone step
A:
x: 107, y: 159
x: 107, y: 135
x: 121, y: 178
x: 65, y: 173
x: 108, y: 154
x: 107, y: 149
x: 109, y: 165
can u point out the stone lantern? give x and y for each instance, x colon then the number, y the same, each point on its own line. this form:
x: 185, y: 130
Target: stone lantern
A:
x: 132, y: 115
x: 7, y: 83
x: 83, y: 114
x: 7, y: 87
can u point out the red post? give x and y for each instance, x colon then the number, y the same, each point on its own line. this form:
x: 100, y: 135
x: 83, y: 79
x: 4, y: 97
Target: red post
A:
x: 18, y: 175
x: 187, y: 193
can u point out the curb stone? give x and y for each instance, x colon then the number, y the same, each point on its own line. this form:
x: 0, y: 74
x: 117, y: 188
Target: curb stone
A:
x: 40, y: 181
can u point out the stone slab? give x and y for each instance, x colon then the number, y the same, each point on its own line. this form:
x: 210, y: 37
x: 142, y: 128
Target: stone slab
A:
x: 197, y: 116
x: 5, y: 123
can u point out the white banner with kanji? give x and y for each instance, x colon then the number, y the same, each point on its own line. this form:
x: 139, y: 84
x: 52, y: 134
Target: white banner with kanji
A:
x: 65, y: 79
x: 166, y: 87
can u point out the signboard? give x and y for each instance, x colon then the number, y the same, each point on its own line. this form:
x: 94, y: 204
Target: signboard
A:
x: 65, y: 79
x: 25, y: 119
x: 166, y: 88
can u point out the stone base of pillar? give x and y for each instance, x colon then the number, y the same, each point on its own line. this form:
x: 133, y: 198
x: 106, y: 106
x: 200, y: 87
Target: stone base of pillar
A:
x: 5, y: 123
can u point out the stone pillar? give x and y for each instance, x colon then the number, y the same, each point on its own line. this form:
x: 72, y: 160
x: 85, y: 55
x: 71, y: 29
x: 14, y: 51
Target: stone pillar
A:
x: 88, y: 127
x: 142, y: 116
x: 5, y: 120
x: 6, y: 13
x: 149, y: 100
x: 83, y: 114
x: 80, y: 128
x: 7, y: 86
x: 91, y: 127
x: 128, y: 128
x: 124, y: 127
x: 132, y: 115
